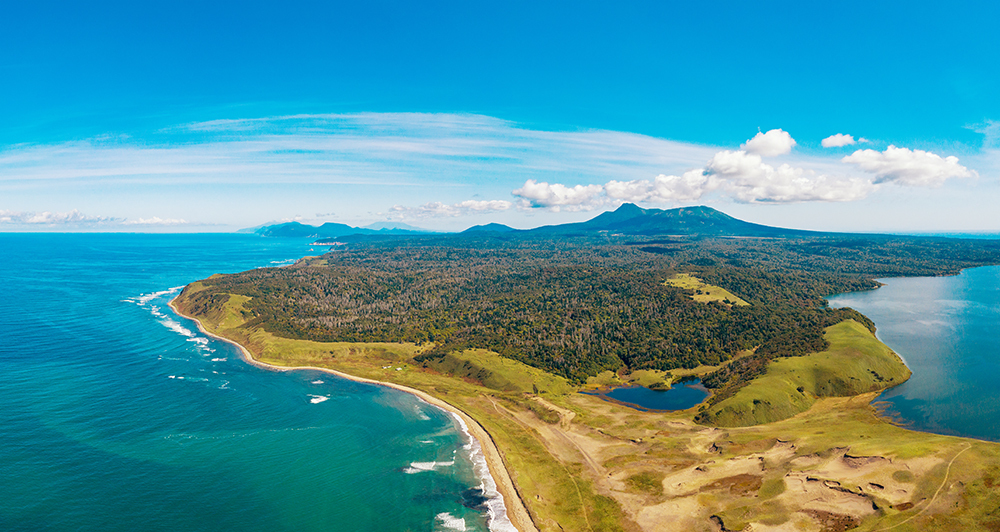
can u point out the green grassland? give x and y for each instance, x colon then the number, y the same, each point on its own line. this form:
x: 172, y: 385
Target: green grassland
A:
x: 704, y: 292
x: 811, y: 401
x: 561, y: 499
x: 855, y: 363
x: 499, y: 373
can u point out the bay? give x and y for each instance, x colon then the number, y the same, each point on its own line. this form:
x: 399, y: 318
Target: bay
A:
x: 117, y: 414
x: 947, y: 330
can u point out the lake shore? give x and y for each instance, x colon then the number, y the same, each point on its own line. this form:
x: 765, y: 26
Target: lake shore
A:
x: 515, y: 508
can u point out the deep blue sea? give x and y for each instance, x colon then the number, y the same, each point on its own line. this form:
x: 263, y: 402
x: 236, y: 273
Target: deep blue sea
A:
x: 117, y: 414
x: 947, y: 329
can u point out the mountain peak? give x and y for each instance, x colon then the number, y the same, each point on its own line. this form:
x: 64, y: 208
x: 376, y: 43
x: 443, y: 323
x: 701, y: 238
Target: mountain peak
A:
x: 698, y: 220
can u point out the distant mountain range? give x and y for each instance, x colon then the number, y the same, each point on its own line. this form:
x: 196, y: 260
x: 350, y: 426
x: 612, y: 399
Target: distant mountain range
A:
x: 628, y: 219
x: 334, y: 230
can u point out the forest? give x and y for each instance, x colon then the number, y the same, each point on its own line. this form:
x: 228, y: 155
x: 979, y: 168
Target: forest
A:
x: 579, y: 306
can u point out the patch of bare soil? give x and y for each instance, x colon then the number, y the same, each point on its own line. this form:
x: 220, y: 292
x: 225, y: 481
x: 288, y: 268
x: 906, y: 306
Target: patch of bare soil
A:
x: 831, y: 522
x: 738, y: 485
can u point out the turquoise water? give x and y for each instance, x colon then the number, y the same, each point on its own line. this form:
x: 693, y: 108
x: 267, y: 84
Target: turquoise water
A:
x: 118, y: 414
x: 947, y: 329
x: 681, y: 396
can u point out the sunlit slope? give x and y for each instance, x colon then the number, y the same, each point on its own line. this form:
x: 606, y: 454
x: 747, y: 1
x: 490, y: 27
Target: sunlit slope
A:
x: 855, y: 363
x: 704, y: 292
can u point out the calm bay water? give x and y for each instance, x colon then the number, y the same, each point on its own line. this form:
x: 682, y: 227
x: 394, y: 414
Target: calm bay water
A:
x: 947, y: 329
x: 680, y: 396
x: 117, y: 414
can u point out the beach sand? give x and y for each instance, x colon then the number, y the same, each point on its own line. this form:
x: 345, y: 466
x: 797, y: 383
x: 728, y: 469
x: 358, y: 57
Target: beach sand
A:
x: 516, y: 510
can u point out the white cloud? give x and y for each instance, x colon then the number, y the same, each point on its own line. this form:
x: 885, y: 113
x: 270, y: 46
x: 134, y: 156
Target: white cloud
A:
x: 908, y: 167
x: 746, y: 178
x: 738, y: 175
x: 663, y: 188
x: 990, y: 130
x: 557, y: 197
x: 743, y: 176
x: 439, y: 209
x: 73, y: 217
x: 156, y: 220
x: 774, y: 142
x: 839, y: 140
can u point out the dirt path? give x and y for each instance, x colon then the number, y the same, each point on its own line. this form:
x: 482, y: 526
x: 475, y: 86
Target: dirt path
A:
x: 512, y: 415
x: 947, y: 473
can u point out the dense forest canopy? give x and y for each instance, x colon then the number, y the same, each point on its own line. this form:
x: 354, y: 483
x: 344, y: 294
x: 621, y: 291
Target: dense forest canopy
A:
x: 577, y: 306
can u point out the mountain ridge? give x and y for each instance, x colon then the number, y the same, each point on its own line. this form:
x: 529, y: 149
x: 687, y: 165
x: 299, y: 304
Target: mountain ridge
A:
x: 628, y: 219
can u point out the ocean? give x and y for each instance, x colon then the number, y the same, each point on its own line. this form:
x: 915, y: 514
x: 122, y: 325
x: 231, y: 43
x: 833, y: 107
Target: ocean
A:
x: 947, y: 330
x: 118, y: 414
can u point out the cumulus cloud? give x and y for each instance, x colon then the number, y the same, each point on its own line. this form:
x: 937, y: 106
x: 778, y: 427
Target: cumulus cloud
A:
x: 743, y: 175
x: 738, y: 175
x: 839, y: 140
x: 908, y: 167
x: 557, y: 197
x: 746, y: 178
x: 437, y: 209
x: 663, y: 188
x: 774, y: 142
x: 73, y: 217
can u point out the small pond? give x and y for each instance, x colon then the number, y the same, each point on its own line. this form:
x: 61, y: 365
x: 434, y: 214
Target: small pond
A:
x: 681, y: 396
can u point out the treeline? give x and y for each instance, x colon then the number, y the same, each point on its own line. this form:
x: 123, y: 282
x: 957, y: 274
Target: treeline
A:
x: 578, y: 307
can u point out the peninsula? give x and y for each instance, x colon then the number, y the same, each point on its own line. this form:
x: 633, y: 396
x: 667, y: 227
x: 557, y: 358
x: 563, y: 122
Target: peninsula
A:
x: 504, y: 327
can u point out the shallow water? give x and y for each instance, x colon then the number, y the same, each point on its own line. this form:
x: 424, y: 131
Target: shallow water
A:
x: 947, y: 329
x: 681, y: 396
x: 119, y: 415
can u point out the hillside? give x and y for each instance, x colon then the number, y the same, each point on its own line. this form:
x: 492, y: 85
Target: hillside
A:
x: 504, y: 330
x: 630, y: 219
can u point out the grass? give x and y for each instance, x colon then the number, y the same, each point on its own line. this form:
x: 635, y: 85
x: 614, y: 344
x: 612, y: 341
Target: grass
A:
x: 560, y: 498
x: 855, y: 363
x: 649, y: 482
x: 499, y: 373
x: 956, y: 490
x: 704, y: 292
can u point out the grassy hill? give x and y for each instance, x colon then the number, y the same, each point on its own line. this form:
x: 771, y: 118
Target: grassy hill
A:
x: 855, y: 363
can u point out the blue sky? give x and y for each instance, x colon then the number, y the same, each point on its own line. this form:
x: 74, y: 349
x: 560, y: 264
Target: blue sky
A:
x: 186, y: 117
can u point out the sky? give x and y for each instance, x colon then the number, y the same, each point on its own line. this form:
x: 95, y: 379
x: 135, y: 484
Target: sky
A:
x: 196, y: 116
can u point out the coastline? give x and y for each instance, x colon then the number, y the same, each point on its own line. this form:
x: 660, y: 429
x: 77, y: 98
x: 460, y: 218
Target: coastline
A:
x: 516, y: 510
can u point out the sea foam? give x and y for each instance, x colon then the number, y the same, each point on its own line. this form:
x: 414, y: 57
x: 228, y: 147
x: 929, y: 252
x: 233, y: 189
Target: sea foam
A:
x: 450, y: 522
x: 420, y: 467
x: 496, y: 510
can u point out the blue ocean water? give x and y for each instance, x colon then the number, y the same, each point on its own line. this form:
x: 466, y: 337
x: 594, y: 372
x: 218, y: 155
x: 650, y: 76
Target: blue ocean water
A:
x: 117, y: 414
x: 947, y: 329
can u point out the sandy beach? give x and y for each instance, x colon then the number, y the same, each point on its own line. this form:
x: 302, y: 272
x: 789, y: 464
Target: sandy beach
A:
x: 516, y: 510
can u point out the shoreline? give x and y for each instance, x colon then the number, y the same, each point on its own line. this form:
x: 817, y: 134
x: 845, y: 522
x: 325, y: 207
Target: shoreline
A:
x: 516, y: 510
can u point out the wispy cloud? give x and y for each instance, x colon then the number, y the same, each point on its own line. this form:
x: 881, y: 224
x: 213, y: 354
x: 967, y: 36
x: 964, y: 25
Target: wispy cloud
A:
x: 369, y: 148
x: 429, y: 165
x: 437, y: 209
x: 73, y: 217
x: 155, y: 220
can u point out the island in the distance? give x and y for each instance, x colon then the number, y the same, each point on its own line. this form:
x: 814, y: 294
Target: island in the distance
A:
x: 506, y: 326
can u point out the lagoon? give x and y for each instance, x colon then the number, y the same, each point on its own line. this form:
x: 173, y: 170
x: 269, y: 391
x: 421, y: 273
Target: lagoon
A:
x: 947, y: 330
x: 683, y: 395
